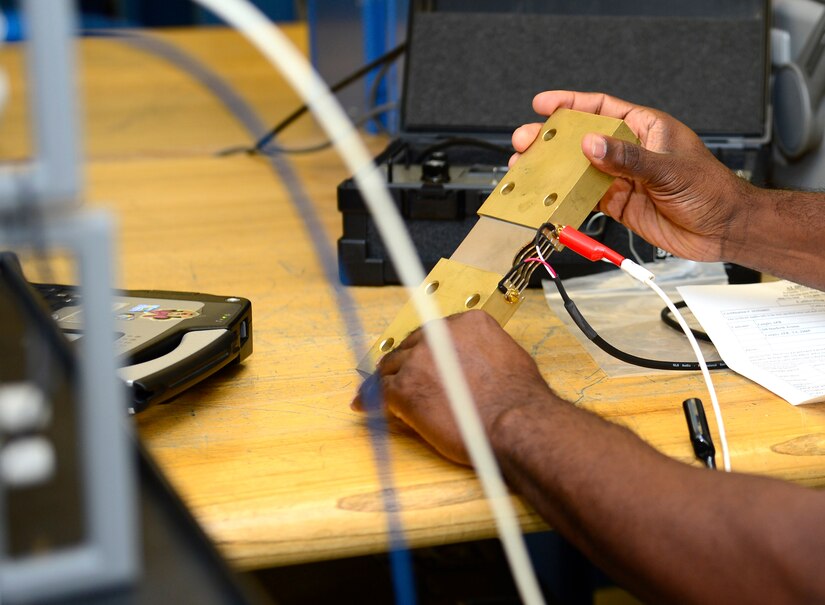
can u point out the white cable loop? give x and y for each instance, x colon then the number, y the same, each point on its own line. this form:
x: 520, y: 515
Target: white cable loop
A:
x: 271, y: 42
x: 717, y: 411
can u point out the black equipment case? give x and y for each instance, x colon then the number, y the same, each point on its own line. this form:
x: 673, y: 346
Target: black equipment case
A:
x: 473, y: 67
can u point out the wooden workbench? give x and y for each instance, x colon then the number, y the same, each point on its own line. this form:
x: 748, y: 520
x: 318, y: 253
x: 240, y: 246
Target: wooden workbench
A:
x: 268, y: 455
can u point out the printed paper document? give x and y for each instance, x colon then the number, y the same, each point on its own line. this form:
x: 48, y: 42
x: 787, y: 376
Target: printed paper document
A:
x: 772, y: 333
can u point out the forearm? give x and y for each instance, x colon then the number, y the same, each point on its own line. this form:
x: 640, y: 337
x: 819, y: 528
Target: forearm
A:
x: 779, y: 233
x: 671, y: 532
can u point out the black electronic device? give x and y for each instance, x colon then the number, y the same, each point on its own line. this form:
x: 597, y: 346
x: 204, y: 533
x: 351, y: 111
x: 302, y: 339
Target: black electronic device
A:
x: 165, y: 341
x: 473, y: 67
x: 53, y: 498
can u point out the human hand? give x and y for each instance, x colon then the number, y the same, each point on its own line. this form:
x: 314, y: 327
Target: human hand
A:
x: 501, y: 376
x: 670, y: 190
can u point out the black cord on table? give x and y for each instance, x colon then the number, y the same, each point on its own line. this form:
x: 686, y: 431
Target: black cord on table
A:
x: 608, y: 348
x: 359, y: 73
x: 669, y: 321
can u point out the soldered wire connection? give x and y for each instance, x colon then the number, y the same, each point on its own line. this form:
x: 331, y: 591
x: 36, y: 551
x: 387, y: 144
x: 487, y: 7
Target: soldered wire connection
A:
x: 518, y: 278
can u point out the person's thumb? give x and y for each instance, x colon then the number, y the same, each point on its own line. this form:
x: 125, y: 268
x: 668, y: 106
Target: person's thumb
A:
x: 620, y: 158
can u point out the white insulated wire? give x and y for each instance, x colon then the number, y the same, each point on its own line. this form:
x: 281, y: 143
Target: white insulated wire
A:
x: 271, y: 42
x: 639, y: 273
x: 717, y: 411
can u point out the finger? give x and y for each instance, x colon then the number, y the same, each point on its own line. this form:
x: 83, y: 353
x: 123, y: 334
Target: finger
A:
x: 546, y: 103
x: 624, y: 159
x: 392, y: 362
x: 412, y: 339
x: 524, y: 135
x: 369, y: 396
x: 513, y: 159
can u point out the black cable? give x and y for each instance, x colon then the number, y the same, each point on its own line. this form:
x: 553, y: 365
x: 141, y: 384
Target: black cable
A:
x: 359, y: 73
x: 669, y: 321
x: 359, y: 121
x: 608, y: 348
x: 461, y: 142
x: 541, y: 239
x: 373, y: 94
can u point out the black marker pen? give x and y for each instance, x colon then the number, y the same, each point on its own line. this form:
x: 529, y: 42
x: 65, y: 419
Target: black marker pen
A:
x: 699, y: 433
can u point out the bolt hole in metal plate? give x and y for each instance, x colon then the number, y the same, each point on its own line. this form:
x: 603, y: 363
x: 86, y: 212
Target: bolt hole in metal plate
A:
x: 472, y: 301
x: 460, y: 287
x: 560, y: 168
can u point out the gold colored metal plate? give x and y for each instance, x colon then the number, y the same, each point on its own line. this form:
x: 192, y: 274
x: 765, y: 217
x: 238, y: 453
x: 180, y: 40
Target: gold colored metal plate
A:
x: 492, y: 244
x: 553, y: 181
x: 455, y: 288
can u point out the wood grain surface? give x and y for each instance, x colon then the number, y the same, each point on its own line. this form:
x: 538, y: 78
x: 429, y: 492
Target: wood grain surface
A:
x: 268, y: 454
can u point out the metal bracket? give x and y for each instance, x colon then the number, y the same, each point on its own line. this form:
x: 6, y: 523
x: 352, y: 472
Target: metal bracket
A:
x: 552, y: 182
x: 456, y: 288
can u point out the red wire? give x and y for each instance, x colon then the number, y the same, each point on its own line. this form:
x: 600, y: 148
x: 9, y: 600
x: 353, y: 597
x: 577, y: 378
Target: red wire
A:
x: 587, y: 247
x: 547, y: 266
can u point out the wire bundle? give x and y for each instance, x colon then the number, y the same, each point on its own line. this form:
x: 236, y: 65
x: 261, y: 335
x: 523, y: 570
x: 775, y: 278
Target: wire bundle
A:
x: 594, y: 251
